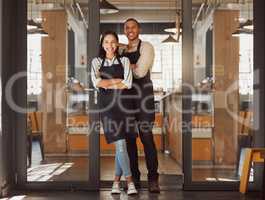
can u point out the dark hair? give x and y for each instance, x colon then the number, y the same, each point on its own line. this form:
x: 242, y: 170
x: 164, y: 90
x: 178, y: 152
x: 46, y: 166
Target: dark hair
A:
x: 102, y: 52
x: 134, y: 20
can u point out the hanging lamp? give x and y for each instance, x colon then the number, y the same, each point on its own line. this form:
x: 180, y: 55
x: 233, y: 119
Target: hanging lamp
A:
x: 31, y: 24
x: 177, y: 27
x: 38, y: 31
x: 248, y: 25
x: 107, y: 8
x: 240, y: 32
x: 170, y: 40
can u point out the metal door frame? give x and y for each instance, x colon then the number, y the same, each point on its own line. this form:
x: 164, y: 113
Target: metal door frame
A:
x: 16, y: 20
x: 187, y: 74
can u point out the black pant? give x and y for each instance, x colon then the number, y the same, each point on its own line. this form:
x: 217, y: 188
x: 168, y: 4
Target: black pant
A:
x: 150, y: 151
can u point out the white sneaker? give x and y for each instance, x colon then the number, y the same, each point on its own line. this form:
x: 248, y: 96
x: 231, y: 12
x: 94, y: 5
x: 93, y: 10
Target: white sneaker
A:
x: 116, y: 188
x: 131, y: 189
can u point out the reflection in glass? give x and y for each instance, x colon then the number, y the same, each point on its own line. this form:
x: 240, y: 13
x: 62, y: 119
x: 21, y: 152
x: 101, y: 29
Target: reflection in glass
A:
x: 223, y: 97
x: 57, y: 95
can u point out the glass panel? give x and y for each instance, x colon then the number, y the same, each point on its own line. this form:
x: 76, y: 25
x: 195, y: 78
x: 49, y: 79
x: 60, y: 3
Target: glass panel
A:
x: 166, y: 78
x: 56, y: 94
x: 222, y: 101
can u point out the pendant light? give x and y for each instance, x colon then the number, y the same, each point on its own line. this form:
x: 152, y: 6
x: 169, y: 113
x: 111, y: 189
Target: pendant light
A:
x: 38, y: 31
x: 240, y: 32
x: 107, y: 8
x: 170, y: 40
x: 249, y: 23
x: 177, y: 27
x: 174, y: 30
x: 31, y: 24
x: 42, y: 33
x: 245, y: 28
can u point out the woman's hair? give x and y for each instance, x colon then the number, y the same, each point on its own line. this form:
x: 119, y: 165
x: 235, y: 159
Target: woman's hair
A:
x: 102, y: 52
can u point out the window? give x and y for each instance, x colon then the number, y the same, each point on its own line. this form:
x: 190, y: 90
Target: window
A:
x: 34, y: 65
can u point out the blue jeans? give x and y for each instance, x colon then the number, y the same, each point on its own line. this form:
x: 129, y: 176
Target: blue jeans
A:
x: 122, y: 162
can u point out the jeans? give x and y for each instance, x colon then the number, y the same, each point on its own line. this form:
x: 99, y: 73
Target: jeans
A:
x: 122, y: 162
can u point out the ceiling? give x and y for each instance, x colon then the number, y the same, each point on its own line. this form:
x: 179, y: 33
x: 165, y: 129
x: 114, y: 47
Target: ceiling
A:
x: 145, y: 10
x: 142, y: 4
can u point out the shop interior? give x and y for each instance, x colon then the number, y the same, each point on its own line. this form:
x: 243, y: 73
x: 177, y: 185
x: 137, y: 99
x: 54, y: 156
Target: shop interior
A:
x: 58, y: 122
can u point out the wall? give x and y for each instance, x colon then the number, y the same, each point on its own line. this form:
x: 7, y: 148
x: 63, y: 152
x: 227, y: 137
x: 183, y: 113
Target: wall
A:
x: 54, y: 78
x: 226, y: 74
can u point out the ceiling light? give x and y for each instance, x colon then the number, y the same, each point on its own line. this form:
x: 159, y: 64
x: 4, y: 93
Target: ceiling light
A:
x: 31, y: 24
x: 38, y: 31
x: 248, y: 25
x: 174, y: 30
x: 107, y: 8
x: 171, y: 30
x: 170, y: 40
x: 240, y: 32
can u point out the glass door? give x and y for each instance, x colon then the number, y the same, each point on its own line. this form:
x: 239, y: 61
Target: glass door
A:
x: 220, y: 92
x: 166, y: 78
x: 61, y: 132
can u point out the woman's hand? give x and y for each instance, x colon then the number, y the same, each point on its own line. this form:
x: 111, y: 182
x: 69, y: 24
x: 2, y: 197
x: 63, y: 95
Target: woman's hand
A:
x: 121, y: 45
x: 119, y: 86
x: 107, y: 83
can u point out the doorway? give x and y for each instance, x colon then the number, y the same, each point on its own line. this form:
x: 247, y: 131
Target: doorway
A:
x: 65, y: 147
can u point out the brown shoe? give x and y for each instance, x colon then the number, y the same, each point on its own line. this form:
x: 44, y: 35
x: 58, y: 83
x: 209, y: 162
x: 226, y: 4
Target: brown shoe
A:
x: 153, y: 187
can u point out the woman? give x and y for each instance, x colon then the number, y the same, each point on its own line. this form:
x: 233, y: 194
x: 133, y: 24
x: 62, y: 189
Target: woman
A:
x: 112, y: 75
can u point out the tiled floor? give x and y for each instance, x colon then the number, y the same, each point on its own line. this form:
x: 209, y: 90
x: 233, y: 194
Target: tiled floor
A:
x: 143, y: 195
x: 75, y: 168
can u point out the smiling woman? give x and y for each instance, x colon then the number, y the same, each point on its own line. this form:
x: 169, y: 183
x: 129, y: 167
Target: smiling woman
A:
x: 112, y: 75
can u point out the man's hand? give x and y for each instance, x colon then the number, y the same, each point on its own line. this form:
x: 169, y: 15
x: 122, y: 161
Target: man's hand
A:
x: 106, y: 83
x: 121, y: 45
x: 117, y: 86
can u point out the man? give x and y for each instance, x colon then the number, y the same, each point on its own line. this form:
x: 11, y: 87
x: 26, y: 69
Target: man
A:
x: 141, y: 56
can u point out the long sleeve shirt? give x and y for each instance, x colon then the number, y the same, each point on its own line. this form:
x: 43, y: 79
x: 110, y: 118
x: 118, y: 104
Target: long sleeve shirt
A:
x: 146, y: 60
x: 97, y: 62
